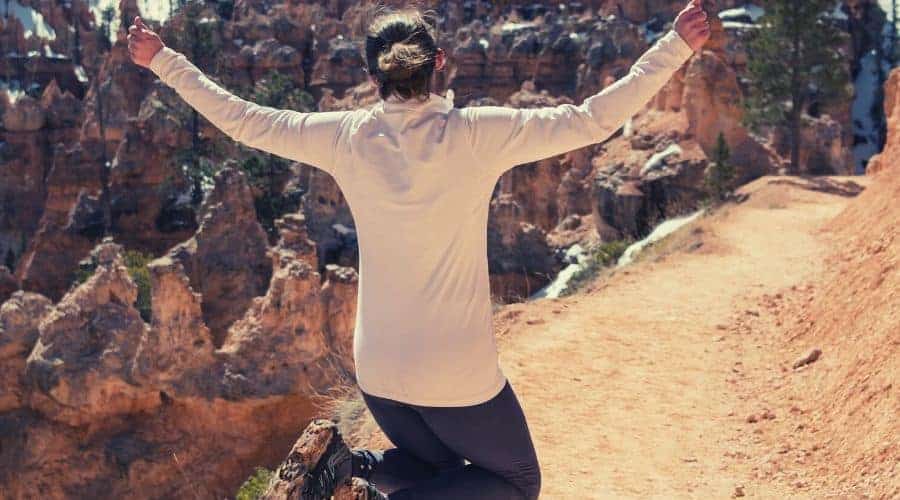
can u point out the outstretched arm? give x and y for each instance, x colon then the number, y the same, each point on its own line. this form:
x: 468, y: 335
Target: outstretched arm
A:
x: 506, y: 137
x: 305, y: 137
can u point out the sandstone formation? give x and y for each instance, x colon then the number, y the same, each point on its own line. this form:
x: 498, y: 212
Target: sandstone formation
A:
x: 884, y: 160
x: 226, y: 259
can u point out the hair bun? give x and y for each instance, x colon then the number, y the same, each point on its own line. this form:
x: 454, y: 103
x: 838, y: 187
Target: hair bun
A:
x: 401, y: 61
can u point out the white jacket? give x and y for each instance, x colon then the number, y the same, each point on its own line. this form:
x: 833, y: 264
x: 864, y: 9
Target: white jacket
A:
x: 418, y: 177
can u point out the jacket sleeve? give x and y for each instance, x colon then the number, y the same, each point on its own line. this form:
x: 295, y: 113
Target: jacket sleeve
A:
x: 504, y: 137
x: 309, y: 138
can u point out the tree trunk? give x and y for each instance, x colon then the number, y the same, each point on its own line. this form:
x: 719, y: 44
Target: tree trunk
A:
x: 104, y: 169
x: 794, y: 168
x: 798, y: 89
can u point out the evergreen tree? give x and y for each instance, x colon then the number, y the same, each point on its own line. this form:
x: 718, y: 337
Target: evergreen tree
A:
x: 198, y: 40
x: 267, y: 173
x: 794, y: 61
x: 720, y: 174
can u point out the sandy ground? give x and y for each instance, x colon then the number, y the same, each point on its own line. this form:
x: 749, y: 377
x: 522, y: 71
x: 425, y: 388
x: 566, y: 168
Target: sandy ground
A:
x: 638, y: 387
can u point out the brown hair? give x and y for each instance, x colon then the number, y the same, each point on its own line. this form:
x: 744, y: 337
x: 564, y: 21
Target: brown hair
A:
x: 401, y: 52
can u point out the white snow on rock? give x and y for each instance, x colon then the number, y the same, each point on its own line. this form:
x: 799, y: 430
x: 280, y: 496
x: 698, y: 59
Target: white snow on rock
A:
x: 658, y: 160
x: 15, y: 92
x: 81, y: 74
x: 32, y: 21
x: 661, y: 231
x: 747, y: 14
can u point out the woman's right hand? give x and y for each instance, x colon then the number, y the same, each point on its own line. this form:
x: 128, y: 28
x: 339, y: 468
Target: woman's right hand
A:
x: 692, y: 25
x: 143, y: 43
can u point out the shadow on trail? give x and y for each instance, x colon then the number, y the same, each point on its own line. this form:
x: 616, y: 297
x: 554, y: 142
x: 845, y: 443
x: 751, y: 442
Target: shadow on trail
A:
x: 827, y: 185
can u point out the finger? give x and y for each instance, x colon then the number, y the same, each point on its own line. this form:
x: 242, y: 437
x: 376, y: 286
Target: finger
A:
x: 140, y: 23
x: 698, y: 14
x: 137, y: 32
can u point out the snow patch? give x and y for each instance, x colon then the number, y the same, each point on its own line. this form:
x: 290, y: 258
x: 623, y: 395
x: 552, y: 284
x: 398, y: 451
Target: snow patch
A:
x: 576, y: 257
x: 661, y: 231
x: 658, y: 160
x: 748, y: 13
x: 81, y: 74
x: 32, y: 21
x: 14, y: 91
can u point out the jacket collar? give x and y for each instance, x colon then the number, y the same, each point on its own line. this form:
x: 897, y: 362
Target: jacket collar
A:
x: 434, y: 102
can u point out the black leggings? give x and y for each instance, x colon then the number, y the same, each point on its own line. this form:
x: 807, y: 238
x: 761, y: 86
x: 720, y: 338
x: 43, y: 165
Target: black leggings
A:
x: 433, y: 445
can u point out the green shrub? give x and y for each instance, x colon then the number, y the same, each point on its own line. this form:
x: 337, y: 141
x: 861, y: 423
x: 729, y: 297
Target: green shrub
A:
x: 603, y: 256
x: 137, y: 262
x: 720, y: 175
x: 255, y: 485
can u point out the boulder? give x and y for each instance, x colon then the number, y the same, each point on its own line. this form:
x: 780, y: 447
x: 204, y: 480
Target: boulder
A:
x: 19, y: 320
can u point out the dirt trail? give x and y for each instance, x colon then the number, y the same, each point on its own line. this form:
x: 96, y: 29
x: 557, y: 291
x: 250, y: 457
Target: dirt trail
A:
x: 635, y: 388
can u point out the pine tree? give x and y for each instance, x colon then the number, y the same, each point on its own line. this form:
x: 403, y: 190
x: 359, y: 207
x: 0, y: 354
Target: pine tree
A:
x: 794, y: 61
x: 720, y: 174
x: 199, y: 41
x: 267, y: 172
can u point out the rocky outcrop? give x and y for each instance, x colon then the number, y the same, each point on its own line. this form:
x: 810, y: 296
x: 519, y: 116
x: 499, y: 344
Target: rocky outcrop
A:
x: 20, y: 317
x: 631, y: 198
x: 712, y: 98
x: 71, y: 224
x: 110, y: 398
x: 885, y: 159
x: 520, y: 260
x: 8, y: 284
x: 176, y: 353
x: 81, y: 363
x: 152, y: 202
x: 226, y: 259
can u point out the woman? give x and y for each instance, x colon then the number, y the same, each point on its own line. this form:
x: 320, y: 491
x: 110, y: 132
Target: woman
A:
x: 418, y: 175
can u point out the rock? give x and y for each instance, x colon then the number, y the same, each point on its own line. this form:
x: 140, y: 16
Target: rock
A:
x: 520, y: 260
x: 226, y: 259
x: 339, y: 294
x: 62, y: 109
x: 883, y: 160
x: 71, y: 223
x: 8, y: 284
x: 177, y: 351
x: 19, y: 320
x: 319, y: 437
x: 810, y: 357
x: 80, y: 366
x: 152, y: 201
x: 738, y: 492
x: 712, y: 103
x: 23, y: 187
x: 26, y: 115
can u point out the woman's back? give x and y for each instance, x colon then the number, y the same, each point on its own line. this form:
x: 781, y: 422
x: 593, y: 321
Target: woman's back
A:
x: 424, y: 294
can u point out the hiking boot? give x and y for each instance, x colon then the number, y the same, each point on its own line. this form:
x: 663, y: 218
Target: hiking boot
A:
x: 358, y: 489
x: 317, y: 464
